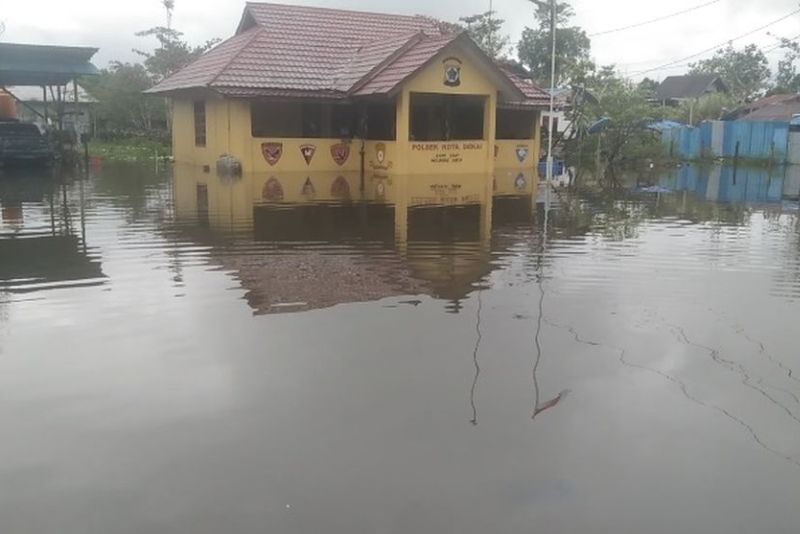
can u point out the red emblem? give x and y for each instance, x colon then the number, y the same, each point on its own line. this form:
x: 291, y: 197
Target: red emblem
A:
x: 272, y: 191
x: 272, y: 152
x: 308, y: 152
x: 340, y: 188
x: 340, y: 152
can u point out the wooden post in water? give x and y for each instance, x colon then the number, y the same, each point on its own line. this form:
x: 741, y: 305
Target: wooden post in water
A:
x: 735, y: 161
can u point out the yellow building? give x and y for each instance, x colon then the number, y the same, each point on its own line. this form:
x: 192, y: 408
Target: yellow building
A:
x: 301, y: 90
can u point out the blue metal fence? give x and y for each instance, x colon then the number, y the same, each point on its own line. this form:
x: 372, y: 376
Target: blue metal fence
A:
x: 752, y: 140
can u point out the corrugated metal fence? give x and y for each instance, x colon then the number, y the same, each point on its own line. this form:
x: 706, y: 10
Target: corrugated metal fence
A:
x: 752, y: 140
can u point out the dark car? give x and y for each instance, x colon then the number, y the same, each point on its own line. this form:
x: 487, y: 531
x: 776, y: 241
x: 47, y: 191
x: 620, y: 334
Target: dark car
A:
x: 23, y: 144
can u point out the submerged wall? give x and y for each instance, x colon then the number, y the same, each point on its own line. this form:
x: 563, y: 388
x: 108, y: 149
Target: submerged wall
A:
x: 727, y: 139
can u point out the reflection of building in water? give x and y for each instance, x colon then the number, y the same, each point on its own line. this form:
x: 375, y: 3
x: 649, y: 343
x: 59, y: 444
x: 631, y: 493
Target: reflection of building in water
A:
x: 59, y: 256
x: 735, y: 185
x: 311, y: 240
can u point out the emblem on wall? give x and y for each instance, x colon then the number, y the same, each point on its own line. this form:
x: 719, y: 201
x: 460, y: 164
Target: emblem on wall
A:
x: 520, y: 182
x: 272, y: 152
x: 340, y: 188
x: 380, y: 153
x: 452, y: 72
x: 380, y: 190
x: 309, y: 191
x: 308, y: 152
x: 522, y: 153
x: 340, y: 152
x: 272, y: 191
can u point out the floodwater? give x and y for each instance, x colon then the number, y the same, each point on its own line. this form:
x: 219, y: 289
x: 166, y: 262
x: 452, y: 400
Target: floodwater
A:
x: 182, y: 353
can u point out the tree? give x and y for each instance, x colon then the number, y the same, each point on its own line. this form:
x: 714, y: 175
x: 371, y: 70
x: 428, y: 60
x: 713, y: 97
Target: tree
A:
x: 788, y: 78
x: 121, y: 106
x: 745, y: 72
x: 573, y: 61
x: 172, y: 54
x: 484, y: 29
x: 626, y: 136
x: 708, y: 107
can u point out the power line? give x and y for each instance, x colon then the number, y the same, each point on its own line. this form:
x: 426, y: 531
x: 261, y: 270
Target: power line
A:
x: 719, y: 46
x: 658, y: 19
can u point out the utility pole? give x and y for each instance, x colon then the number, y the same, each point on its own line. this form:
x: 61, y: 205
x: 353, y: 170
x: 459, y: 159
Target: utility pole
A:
x: 549, y: 172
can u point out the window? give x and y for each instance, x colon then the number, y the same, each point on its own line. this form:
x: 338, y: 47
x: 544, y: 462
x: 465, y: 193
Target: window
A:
x: 302, y: 119
x: 515, y: 124
x: 437, y: 117
x: 381, y: 120
x: 200, y: 123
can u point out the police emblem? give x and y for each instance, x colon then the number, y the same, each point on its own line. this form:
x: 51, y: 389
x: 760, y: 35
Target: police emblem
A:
x: 272, y: 152
x: 340, y: 188
x: 522, y: 153
x: 340, y: 152
x: 272, y: 191
x: 380, y: 153
x: 308, y: 152
x: 309, y: 191
x: 520, y: 183
x: 452, y: 72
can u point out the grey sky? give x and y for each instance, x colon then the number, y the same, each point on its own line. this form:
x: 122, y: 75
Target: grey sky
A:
x: 110, y: 24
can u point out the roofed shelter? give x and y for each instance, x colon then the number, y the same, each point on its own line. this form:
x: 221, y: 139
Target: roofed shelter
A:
x: 301, y: 89
x: 46, y: 66
x: 689, y: 87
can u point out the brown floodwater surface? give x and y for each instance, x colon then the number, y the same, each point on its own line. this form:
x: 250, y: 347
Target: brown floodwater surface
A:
x: 181, y: 353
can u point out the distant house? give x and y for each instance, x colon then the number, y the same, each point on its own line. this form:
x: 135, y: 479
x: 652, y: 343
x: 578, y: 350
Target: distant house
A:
x: 76, y: 117
x: 775, y: 108
x: 300, y: 89
x: 676, y: 89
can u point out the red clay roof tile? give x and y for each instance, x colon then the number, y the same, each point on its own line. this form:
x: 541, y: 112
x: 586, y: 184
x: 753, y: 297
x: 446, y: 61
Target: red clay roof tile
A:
x: 308, y: 51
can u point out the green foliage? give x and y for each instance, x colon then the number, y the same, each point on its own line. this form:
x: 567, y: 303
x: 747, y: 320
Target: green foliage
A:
x: 573, y: 61
x: 627, y: 137
x: 484, y: 28
x: 120, y: 102
x: 745, y: 72
x: 172, y: 53
x: 709, y: 107
x: 788, y: 78
x: 130, y: 149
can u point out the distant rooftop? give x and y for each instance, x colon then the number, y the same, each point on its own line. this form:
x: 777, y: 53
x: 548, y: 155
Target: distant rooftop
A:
x: 29, y: 64
x: 689, y: 86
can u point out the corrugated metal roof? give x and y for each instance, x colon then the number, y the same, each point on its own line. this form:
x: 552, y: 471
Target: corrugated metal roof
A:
x: 306, y: 51
x: 778, y: 108
x: 27, y: 64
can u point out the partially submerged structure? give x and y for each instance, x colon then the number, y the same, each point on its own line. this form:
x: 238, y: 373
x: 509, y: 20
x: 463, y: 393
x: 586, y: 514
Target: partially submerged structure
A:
x: 301, y: 89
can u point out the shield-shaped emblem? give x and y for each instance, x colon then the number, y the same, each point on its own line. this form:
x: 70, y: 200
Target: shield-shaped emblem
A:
x: 452, y: 72
x: 308, y: 152
x: 309, y: 191
x: 272, y: 191
x: 380, y: 152
x: 340, y: 188
x: 272, y: 152
x: 522, y: 153
x: 520, y: 183
x: 340, y: 152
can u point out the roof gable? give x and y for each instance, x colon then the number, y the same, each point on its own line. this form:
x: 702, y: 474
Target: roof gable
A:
x: 689, y: 86
x: 282, y: 50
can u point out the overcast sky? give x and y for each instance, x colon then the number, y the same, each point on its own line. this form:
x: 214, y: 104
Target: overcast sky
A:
x: 111, y: 24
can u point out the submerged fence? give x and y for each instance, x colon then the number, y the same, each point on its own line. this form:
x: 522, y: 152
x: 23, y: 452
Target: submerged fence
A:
x: 725, y: 139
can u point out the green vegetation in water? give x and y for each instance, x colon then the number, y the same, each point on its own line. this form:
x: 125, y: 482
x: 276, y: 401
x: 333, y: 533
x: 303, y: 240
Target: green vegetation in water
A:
x: 129, y: 150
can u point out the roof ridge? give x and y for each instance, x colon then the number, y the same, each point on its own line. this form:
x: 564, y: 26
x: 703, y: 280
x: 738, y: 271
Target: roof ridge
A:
x: 337, y: 10
x: 413, y: 40
x: 256, y: 31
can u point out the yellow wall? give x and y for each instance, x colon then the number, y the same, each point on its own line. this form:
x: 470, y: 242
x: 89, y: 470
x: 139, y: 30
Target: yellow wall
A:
x: 228, y: 131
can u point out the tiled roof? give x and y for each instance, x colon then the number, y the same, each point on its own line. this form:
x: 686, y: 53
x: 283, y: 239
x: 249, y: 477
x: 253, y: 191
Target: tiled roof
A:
x: 282, y: 50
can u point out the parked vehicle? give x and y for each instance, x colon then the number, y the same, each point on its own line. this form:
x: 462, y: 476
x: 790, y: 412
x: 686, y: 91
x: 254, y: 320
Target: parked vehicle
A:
x: 22, y: 144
